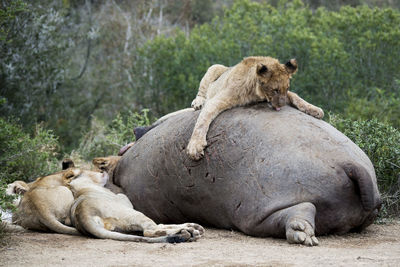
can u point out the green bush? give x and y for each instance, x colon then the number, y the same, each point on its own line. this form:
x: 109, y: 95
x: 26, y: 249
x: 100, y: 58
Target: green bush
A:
x: 104, y: 140
x: 25, y: 157
x: 38, y: 77
x: 378, y: 104
x: 381, y: 142
x: 61, y: 65
x: 342, y: 53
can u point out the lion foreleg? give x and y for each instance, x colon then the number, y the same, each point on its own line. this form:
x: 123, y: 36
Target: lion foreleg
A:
x: 304, y: 106
x: 198, y: 142
x: 211, y: 75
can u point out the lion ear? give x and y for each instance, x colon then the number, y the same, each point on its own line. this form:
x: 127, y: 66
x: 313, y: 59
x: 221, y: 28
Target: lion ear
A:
x: 67, y: 163
x: 68, y: 176
x: 262, y: 69
x: 291, y: 66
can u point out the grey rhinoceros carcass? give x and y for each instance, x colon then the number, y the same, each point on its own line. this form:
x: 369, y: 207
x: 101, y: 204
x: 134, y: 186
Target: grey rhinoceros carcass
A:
x: 265, y: 173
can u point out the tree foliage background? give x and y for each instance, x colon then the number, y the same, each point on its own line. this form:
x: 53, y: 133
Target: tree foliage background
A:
x: 74, y: 73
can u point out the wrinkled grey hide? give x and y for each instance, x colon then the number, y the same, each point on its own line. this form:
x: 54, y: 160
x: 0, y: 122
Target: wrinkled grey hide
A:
x: 261, y: 167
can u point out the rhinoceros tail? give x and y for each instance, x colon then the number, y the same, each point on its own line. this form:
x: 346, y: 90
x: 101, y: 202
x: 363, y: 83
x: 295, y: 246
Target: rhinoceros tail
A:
x: 370, y: 198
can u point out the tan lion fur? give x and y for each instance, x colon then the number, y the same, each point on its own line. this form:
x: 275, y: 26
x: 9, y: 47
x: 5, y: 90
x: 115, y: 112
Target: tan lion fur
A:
x: 99, y: 212
x: 252, y: 80
x: 45, y: 204
x: 108, y: 164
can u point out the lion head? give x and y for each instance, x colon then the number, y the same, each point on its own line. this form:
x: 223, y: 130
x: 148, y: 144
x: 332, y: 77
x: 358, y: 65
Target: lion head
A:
x: 273, y: 80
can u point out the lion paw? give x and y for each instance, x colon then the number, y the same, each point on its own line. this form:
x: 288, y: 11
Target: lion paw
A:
x: 186, y: 232
x: 315, y: 112
x: 196, y: 231
x: 195, y: 149
x: 301, y: 232
x: 17, y: 187
x: 198, y: 102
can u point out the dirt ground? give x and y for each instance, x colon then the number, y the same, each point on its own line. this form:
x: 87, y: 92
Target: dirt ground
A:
x: 378, y: 245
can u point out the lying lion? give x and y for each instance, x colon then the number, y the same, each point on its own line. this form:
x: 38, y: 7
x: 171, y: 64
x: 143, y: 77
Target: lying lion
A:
x: 45, y: 204
x: 252, y: 80
x: 99, y: 212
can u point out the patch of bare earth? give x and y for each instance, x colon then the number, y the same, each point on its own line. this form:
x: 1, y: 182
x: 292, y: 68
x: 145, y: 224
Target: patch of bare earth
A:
x: 378, y: 245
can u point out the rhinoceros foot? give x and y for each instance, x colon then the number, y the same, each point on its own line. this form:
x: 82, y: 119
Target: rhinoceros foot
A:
x: 300, y: 231
x: 296, y: 222
x: 300, y: 224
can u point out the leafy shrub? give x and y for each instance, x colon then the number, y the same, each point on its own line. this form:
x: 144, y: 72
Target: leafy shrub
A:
x: 32, y: 67
x: 378, y: 104
x: 381, y: 142
x: 62, y: 65
x: 25, y: 157
x: 36, y: 76
x: 104, y: 140
x: 340, y: 53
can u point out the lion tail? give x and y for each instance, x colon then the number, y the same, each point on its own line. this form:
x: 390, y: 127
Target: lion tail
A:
x: 91, y: 227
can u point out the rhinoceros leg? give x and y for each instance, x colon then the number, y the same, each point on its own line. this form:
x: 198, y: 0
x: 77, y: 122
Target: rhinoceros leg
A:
x: 298, y: 222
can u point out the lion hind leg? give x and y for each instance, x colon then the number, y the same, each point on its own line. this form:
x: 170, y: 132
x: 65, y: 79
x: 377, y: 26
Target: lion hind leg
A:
x: 212, y: 74
x: 304, y: 106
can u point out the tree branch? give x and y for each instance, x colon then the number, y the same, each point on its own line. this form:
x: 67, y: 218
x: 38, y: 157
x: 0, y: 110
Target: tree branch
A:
x: 88, y: 5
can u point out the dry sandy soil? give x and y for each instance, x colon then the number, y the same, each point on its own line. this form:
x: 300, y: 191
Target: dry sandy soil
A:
x: 378, y: 245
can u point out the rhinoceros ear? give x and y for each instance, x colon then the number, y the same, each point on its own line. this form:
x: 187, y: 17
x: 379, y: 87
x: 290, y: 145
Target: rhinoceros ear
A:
x: 291, y: 66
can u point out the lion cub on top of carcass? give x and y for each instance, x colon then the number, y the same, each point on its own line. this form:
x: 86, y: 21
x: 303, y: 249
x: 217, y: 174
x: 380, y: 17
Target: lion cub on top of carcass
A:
x: 99, y: 212
x: 252, y: 80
